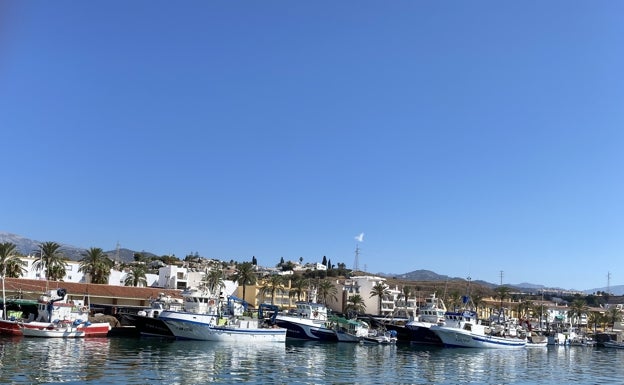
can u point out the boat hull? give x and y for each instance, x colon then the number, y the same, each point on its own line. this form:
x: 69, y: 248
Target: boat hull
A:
x: 16, y: 328
x: 203, y: 327
x: 147, y: 326
x: 10, y: 328
x: 38, y: 329
x: 460, y: 338
x: 306, y: 329
x: 420, y: 333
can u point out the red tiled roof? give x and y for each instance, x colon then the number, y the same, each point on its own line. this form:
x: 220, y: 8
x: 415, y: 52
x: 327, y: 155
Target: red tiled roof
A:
x: 38, y: 287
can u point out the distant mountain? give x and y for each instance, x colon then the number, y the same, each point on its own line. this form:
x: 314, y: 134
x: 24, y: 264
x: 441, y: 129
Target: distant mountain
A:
x: 29, y: 247
x: 615, y: 290
x: 427, y: 275
x: 420, y: 275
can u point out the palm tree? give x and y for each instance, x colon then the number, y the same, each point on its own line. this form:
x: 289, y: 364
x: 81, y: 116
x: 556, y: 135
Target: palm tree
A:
x: 577, y: 309
x: 477, y: 301
x: 10, y: 264
x: 245, y: 275
x: 355, y: 304
x: 454, y: 299
x: 298, y: 287
x: 406, y: 293
x: 51, y: 261
x: 380, y: 289
x: 136, y: 276
x: 96, y: 264
x: 502, y: 293
x: 215, y: 281
x: 274, y: 284
x: 594, y: 319
x: 613, y: 315
x: 326, y: 291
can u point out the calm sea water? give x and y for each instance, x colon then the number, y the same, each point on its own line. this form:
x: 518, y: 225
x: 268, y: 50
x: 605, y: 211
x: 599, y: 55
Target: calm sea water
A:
x: 160, y: 361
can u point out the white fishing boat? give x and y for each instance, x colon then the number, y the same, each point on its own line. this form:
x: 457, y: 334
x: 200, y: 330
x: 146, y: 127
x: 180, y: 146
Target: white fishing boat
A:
x: 147, y: 322
x: 308, y: 321
x: 57, y: 330
x: 56, y: 312
x: 469, y: 334
x: 430, y: 313
x: 206, y: 317
x: 384, y: 337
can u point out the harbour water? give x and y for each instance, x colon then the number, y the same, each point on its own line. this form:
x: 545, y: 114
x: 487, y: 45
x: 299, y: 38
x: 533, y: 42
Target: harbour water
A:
x: 161, y: 361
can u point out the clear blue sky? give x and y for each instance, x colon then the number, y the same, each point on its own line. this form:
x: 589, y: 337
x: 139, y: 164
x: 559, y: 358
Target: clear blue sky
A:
x: 462, y: 137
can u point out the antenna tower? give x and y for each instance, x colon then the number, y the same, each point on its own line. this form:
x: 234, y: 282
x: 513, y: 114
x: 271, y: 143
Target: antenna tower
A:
x: 356, y: 264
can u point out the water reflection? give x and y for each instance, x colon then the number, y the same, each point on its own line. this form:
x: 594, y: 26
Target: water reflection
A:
x: 163, y: 361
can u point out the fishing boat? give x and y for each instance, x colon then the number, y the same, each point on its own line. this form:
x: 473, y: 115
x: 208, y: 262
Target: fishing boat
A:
x: 207, y: 317
x: 147, y: 322
x: 472, y: 334
x: 348, y: 330
x: 308, y: 321
x: 384, y: 337
x: 536, y: 340
x: 55, y: 310
x: 59, y: 329
x: 432, y: 312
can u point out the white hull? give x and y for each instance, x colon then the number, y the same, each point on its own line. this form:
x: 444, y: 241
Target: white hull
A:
x: 51, y: 330
x: 54, y: 333
x: 456, y: 337
x: 205, y: 328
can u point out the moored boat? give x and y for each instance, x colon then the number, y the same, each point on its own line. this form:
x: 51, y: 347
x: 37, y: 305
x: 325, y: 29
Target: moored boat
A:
x: 430, y: 313
x: 147, y: 321
x: 470, y: 334
x: 384, y: 337
x: 348, y: 330
x: 55, y: 311
x: 308, y: 321
x: 207, y: 318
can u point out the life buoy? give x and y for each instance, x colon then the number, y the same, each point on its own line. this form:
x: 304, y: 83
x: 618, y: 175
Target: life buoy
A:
x: 211, y: 302
x: 315, y: 314
x: 84, y: 309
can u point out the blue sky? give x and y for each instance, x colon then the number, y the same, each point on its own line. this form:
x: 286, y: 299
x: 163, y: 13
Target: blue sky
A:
x: 466, y: 138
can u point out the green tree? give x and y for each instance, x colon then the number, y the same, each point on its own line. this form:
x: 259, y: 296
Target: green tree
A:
x: 577, y: 309
x: 594, y: 319
x: 379, y: 290
x: 454, y: 299
x: 298, y: 287
x: 326, y: 291
x: 97, y: 265
x: 502, y: 293
x: 51, y: 261
x: 245, y: 275
x: 136, y: 276
x: 274, y: 284
x: 613, y: 315
x: 406, y: 292
x: 10, y: 264
x: 215, y: 281
x: 355, y: 304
